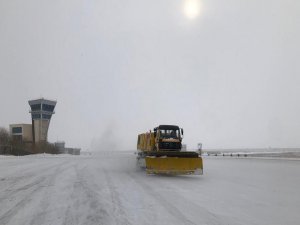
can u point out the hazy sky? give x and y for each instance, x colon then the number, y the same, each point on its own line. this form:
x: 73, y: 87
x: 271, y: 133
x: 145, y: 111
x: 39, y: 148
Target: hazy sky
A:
x: 228, y: 72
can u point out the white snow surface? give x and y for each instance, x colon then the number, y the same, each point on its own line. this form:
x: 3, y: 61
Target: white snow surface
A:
x: 109, y: 189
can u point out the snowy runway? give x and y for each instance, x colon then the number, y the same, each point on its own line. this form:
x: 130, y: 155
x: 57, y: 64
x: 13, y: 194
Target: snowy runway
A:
x: 109, y: 189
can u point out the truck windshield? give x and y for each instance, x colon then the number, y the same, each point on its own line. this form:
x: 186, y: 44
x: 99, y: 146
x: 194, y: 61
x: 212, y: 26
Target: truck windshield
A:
x: 169, y: 134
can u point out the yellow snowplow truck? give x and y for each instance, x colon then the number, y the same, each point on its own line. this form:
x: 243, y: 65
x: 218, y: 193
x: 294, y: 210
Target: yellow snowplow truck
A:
x: 159, y: 152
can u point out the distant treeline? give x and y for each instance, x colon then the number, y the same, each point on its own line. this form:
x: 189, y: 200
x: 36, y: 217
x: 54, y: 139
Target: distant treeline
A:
x: 9, y: 146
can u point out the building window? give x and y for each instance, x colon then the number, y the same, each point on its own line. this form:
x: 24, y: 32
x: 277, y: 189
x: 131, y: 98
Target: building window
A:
x: 17, y: 130
x: 45, y: 116
x: 36, y: 107
x: 36, y: 116
x: 48, y: 108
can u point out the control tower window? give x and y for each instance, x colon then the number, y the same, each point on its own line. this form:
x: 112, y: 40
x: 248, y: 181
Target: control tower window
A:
x: 36, y: 116
x: 45, y: 116
x: 36, y: 107
x: 48, y: 108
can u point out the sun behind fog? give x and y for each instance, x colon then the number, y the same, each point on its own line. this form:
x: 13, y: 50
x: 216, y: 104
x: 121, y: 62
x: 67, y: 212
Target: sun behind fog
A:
x: 191, y: 8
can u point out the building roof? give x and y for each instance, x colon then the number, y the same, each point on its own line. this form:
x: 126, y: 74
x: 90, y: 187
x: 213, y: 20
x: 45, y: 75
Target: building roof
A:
x: 42, y: 100
x: 21, y: 124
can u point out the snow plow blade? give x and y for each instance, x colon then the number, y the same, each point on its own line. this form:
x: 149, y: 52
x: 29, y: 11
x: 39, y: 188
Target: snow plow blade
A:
x: 174, y: 165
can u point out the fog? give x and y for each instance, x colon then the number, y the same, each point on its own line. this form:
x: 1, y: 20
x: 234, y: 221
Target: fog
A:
x: 227, y: 72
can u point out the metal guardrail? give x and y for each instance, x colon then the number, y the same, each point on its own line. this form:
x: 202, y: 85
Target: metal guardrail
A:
x: 227, y: 154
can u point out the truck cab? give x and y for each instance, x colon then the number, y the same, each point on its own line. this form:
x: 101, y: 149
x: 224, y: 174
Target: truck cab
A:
x: 168, y: 138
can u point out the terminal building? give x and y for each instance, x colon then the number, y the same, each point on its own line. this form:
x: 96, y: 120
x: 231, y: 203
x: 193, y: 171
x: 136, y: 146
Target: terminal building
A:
x: 21, y: 132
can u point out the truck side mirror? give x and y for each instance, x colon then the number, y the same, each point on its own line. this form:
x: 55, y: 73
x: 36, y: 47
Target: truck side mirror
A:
x: 181, y: 131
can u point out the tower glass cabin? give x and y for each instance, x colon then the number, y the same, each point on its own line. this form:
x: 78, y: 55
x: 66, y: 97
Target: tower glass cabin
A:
x: 41, y: 113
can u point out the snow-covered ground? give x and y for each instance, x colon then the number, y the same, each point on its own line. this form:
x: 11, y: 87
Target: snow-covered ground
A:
x: 109, y: 189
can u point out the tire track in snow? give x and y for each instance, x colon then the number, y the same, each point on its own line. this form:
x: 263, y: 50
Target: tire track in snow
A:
x: 40, y: 216
x: 35, y: 188
x: 87, y: 200
x: 15, y: 181
x: 170, y: 208
x: 138, y: 210
x: 118, y: 211
x: 9, y: 214
x: 205, y: 216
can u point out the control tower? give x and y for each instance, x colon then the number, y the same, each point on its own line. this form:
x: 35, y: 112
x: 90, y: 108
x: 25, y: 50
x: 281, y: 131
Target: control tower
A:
x: 41, y: 113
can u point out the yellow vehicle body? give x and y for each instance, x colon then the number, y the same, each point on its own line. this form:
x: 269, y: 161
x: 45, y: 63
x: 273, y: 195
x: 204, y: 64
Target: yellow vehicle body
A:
x: 161, y: 154
x: 174, y: 165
